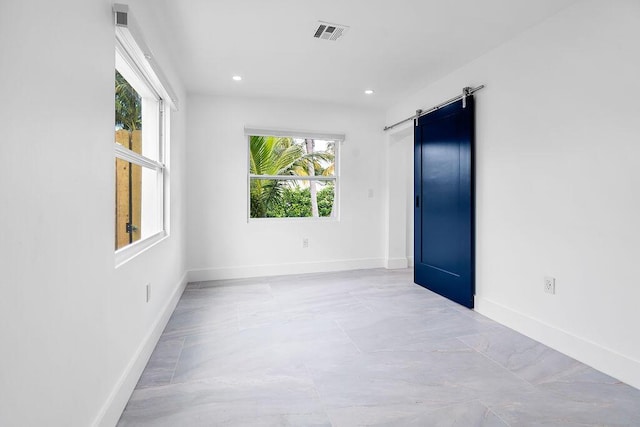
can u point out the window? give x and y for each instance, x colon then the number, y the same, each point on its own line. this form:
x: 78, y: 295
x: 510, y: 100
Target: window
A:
x: 138, y: 157
x: 141, y: 120
x: 281, y: 166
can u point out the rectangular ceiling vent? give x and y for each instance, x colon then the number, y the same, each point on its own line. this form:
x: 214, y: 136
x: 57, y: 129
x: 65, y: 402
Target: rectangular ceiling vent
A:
x: 327, y: 31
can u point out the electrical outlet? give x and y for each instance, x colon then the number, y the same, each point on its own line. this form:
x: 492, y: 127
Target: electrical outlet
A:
x: 550, y: 285
x: 305, y: 242
x: 370, y: 193
x: 148, y: 292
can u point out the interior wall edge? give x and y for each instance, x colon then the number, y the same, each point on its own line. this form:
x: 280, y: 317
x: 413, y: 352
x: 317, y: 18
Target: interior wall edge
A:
x: 396, y: 263
x: 612, y: 363
x: 248, y: 271
x: 112, y: 409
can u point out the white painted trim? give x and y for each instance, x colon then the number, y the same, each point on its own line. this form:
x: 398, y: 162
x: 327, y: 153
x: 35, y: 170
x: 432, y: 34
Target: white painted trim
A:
x: 325, y: 136
x: 131, y: 41
x: 595, y: 355
x: 239, y: 272
x: 132, y: 157
x: 112, y: 409
x: 293, y: 177
x: 410, y: 261
x: 294, y: 219
x: 129, y: 252
x: 396, y: 263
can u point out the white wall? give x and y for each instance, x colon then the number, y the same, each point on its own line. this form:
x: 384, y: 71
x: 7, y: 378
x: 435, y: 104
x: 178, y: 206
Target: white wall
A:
x: 557, y: 186
x: 557, y: 181
x: 223, y: 244
x: 74, y: 330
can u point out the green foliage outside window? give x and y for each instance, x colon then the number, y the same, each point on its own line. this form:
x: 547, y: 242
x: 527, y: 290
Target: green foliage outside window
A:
x: 295, y: 202
x: 294, y: 198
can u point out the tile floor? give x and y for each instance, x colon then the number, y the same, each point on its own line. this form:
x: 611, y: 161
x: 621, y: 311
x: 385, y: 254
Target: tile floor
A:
x: 358, y: 348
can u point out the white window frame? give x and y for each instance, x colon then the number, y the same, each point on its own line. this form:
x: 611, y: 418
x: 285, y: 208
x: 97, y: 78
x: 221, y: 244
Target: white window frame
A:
x: 338, y: 139
x: 132, y: 53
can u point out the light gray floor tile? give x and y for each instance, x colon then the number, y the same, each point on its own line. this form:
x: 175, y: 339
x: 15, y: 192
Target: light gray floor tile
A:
x: 359, y: 348
x: 161, y: 365
x: 248, y: 352
x: 223, y: 402
x: 468, y: 414
x: 523, y: 356
x: 603, y: 392
x: 260, y: 314
x: 538, y: 408
x: 369, y: 415
x: 191, y: 318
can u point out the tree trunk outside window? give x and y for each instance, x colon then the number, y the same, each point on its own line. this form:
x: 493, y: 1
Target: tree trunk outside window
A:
x: 312, y: 184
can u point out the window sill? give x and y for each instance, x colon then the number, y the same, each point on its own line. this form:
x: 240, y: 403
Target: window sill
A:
x: 294, y: 219
x: 129, y: 252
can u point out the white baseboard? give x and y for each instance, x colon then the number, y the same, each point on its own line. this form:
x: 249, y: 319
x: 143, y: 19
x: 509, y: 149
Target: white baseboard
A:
x: 223, y: 273
x: 396, y: 263
x: 603, y: 359
x: 410, y: 261
x: 113, y: 407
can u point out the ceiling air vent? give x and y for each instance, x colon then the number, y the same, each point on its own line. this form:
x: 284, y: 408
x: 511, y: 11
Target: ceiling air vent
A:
x: 327, y: 31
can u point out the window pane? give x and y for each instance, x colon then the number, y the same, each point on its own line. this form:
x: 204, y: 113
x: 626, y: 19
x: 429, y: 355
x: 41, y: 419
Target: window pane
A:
x: 271, y: 155
x: 130, y: 139
x: 134, y: 105
x: 151, y: 203
x: 128, y: 108
x: 138, y: 203
x: 322, y: 155
x: 291, y: 198
x: 128, y: 203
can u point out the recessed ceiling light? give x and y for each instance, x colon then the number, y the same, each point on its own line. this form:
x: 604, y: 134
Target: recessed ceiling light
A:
x: 369, y: 92
x: 237, y: 78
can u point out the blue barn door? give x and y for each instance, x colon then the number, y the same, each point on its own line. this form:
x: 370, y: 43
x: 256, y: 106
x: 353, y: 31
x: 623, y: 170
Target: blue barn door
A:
x: 444, y: 202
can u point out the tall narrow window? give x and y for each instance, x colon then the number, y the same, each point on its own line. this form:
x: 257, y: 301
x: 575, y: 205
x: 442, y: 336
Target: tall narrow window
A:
x: 293, y: 176
x: 142, y: 98
x: 139, y: 156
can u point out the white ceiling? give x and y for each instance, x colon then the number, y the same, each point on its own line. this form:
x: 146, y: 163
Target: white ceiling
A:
x: 393, y: 47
